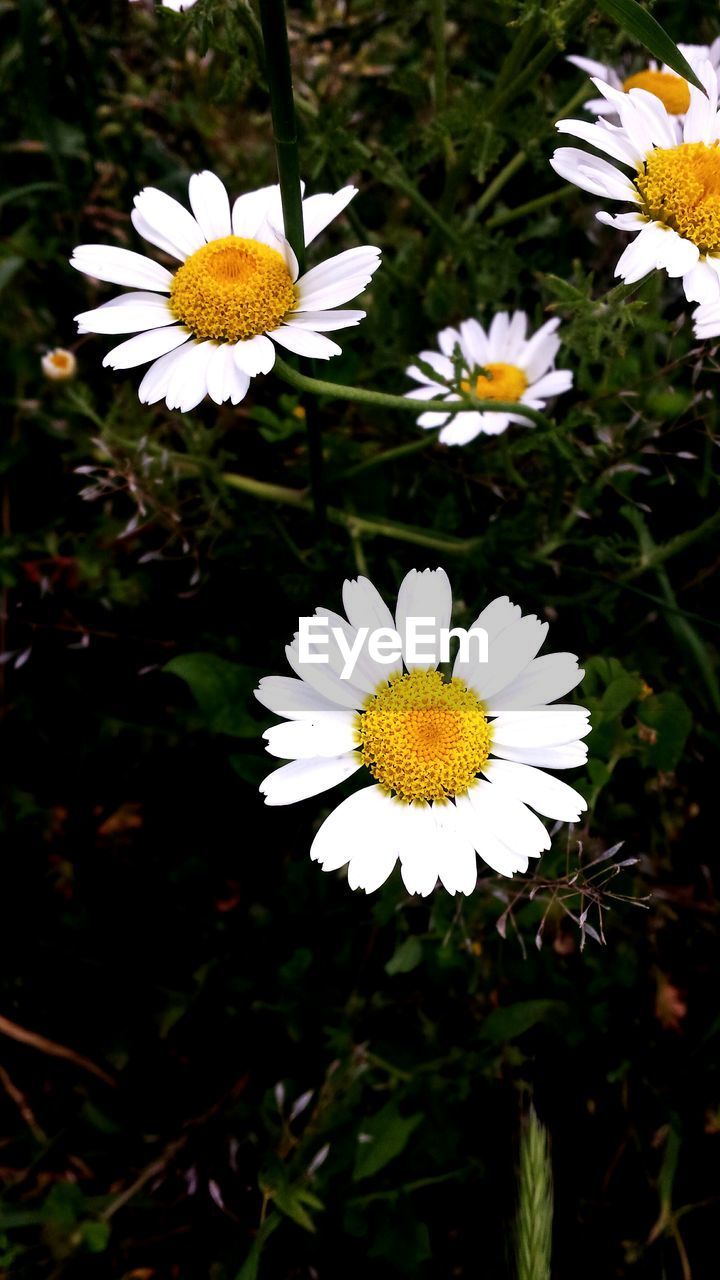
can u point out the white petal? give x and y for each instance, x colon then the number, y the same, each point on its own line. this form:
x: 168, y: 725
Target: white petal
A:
x: 464, y: 427
x: 424, y: 594
x: 364, y: 826
x: 331, y: 735
x: 324, y: 680
x: 304, y: 342
x: 448, y: 340
x: 553, y: 726
x: 323, y: 321
x: 126, y: 314
x: 121, y: 266
x: 508, y: 655
x: 554, y: 383
x: 474, y: 343
x: 187, y: 384
x: 321, y: 209
x: 509, y: 820
x: 701, y: 123
x: 251, y: 210
x: 543, y: 680
x: 168, y: 223
x: 702, y: 284
x: 567, y: 757
x: 337, y: 280
x: 301, y: 779
x: 293, y: 699
x: 146, y: 346
x: 457, y: 864
x: 543, y: 792
x: 539, y: 353
x: 431, y: 420
x: 622, y: 221
x: 210, y: 204
x: 256, y: 355
x: 419, y: 853
x: 155, y: 383
x: 224, y: 380
x: 364, y: 606
x: 489, y: 847
x: 612, y: 142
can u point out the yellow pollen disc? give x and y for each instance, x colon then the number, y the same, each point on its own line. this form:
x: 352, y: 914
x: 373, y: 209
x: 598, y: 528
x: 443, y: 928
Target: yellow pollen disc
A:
x: 232, y: 289
x: 422, y: 737
x: 680, y: 186
x: 673, y: 91
x: 506, y: 383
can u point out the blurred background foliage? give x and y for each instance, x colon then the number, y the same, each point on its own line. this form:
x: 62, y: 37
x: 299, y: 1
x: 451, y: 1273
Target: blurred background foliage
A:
x: 215, y: 1061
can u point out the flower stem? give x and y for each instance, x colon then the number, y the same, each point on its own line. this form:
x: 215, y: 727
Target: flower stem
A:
x: 363, y: 395
x: 282, y: 105
x: 356, y: 525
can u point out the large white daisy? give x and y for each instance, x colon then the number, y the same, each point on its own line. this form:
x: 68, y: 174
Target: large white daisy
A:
x: 210, y: 324
x: 500, y: 364
x: 674, y: 187
x: 456, y: 764
x: 672, y: 90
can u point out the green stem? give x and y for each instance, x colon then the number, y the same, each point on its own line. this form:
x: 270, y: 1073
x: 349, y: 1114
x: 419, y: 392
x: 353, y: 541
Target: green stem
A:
x: 437, y: 22
x: 362, y: 395
x: 357, y: 526
x: 532, y: 206
x: 282, y: 105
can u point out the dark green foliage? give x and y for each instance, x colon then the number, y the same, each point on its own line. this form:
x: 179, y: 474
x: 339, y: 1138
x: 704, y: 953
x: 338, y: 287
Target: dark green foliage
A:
x: 265, y: 1076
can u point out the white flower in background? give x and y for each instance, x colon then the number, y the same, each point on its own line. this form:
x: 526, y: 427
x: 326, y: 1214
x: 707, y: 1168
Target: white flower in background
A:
x: 675, y: 182
x: 210, y: 324
x: 501, y: 364
x: 178, y: 6
x: 58, y: 365
x: 455, y: 764
x: 672, y: 90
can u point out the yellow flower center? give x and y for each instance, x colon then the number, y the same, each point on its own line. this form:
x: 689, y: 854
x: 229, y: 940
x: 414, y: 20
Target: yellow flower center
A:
x: 506, y: 382
x: 232, y: 289
x: 422, y: 737
x: 680, y: 186
x: 672, y: 90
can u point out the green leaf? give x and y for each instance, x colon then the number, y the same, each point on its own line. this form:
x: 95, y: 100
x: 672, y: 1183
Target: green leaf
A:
x: 251, y: 1265
x: 382, y: 1138
x: 619, y: 694
x: 638, y: 23
x: 671, y: 721
x: 221, y: 690
x: 8, y: 268
x: 95, y: 1235
x: 407, y: 956
x: 515, y: 1019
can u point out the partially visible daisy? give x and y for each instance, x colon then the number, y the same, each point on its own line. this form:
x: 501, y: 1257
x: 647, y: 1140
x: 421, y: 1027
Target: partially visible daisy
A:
x: 674, y: 187
x: 59, y: 364
x: 455, y: 765
x: 672, y: 90
x: 501, y: 364
x: 210, y: 324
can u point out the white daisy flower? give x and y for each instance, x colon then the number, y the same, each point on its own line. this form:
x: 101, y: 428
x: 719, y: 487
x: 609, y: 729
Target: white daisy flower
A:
x: 501, y: 364
x: 210, y: 324
x: 672, y: 90
x: 59, y: 364
x: 178, y: 6
x: 456, y: 764
x: 675, y: 183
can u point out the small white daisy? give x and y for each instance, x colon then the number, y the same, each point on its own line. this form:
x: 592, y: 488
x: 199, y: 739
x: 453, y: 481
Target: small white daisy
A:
x: 501, y: 364
x: 59, y: 365
x: 178, y: 6
x: 454, y: 762
x: 672, y: 90
x: 211, y: 324
x: 675, y: 183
